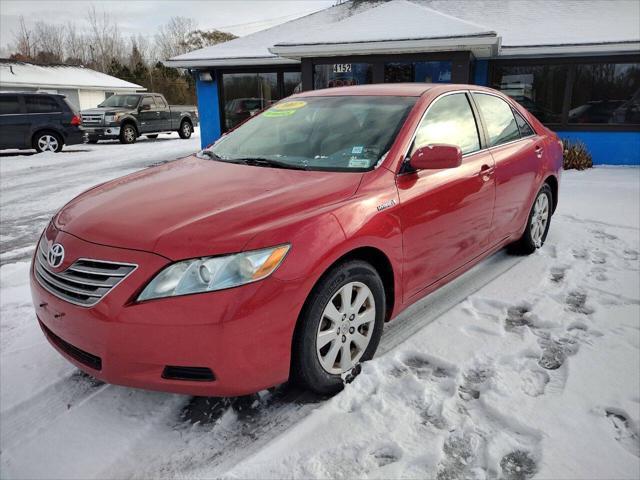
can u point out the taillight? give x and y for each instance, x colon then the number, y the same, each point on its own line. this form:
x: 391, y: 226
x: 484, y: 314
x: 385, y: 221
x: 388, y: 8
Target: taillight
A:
x: 76, y: 120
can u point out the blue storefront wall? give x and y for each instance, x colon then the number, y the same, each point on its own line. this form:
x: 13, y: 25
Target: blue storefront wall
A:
x: 209, y: 111
x: 609, y: 148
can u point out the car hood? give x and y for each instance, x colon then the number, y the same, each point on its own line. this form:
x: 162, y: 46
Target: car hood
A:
x: 195, y: 207
x: 103, y: 110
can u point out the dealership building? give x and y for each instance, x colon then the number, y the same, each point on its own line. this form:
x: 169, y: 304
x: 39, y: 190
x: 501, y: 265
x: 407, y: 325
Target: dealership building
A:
x: 573, y: 64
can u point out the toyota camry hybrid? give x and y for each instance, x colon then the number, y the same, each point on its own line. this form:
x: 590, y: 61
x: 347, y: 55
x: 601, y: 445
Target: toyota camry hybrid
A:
x: 279, y: 252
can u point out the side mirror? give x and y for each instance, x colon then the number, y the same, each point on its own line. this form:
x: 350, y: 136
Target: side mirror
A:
x: 144, y: 107
x: 436, y: 156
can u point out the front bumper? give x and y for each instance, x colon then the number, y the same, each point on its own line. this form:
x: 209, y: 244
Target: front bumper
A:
x: 242, y: 334
x: 102, y: 132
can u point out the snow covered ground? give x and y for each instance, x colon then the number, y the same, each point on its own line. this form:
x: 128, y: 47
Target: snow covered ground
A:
x: 523, y: 368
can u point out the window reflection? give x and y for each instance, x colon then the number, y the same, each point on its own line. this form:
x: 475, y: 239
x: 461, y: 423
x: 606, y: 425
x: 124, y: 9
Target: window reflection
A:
x: 292, y: 83
x: 596, y: 92
x: 450, y: 120
x: 341, y: 75
x: 538, y: 88
x: 606, y: 93
x: 427, y: 72
x: 498, y: 118
x: 245, y: 94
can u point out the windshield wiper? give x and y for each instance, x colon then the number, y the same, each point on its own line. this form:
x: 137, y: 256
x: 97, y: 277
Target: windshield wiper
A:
x: 265, y: 162
x: 213, y: 156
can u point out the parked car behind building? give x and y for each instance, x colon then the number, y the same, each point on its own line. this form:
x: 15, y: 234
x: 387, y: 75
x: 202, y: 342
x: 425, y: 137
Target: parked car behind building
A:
x: 43, y: 121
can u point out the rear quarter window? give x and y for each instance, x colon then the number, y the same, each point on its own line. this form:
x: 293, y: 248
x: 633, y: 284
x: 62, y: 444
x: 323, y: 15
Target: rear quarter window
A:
x: 9, y: 105
x: 498, y: 119
x: 41, y: 104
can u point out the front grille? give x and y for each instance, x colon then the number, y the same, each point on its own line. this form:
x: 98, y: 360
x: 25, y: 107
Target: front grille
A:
x: 81, y: 356
x: 91, y: 119
x: 84, y: 282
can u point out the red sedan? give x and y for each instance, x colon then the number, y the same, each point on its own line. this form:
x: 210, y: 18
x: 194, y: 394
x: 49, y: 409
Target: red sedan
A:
x: 280, y: 251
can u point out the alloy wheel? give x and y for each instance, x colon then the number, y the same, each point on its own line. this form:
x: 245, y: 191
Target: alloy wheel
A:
x: 539, y: 219
x: 346, y: 328
x: 48, y: 143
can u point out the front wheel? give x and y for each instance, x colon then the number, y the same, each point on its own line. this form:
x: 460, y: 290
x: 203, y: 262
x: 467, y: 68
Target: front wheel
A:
x: 538, y: 223
x: 47, y: 142
x: 340, y: 327
x: 128, y: 134
x: 185, y: 130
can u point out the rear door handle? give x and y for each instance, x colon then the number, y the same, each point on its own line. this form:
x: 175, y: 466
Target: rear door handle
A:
x: 539, y: 151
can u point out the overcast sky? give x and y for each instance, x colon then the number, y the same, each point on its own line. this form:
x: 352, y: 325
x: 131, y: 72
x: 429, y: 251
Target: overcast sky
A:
x: 144, y: 16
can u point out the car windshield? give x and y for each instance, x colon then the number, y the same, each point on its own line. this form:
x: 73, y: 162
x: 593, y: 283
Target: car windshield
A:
x: 341, y: 133
x: 127, y: 101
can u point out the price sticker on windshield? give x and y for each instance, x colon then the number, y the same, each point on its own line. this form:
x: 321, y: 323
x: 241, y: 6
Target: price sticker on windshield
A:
x: 285, y: 109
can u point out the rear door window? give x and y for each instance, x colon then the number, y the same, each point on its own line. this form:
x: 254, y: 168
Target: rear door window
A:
x: 449, y: 120
x: 160, y: 103
x: 41, y: 104
x: 498, y: 118
x: 9, y: 105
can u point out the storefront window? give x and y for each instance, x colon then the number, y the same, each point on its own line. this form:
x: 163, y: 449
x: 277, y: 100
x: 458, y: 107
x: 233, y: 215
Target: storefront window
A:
x: 245, y: 94
x: 538, y: 88
x: 341, y: 75
x: 292, y: 83
x: 574, y: 93
x: 427, y: 72
x: 606, y: 93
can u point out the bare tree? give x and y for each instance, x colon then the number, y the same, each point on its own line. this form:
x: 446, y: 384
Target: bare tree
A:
x: 171, y: 39
x: 75, y: 45
x: 49, y: 40
x: 105, y: 41
x: 24, y: 41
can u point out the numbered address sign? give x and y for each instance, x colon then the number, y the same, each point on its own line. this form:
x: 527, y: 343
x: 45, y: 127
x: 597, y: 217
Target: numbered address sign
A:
x: 341, y: 67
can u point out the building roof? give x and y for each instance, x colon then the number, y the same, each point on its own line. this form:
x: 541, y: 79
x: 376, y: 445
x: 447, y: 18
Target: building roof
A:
x: 508, y: 27
x: 29, y: 75
x: 395, y: 26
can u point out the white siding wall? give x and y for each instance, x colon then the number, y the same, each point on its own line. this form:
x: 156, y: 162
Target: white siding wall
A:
x: 90, y: 98
x: 72, y: 96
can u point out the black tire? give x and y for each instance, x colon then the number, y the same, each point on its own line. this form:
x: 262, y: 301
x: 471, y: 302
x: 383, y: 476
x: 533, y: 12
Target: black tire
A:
x: 47, y: 141
x: 526, y: 245
x: 306, y: 367
x: 128, y: 134
x: 92, y: 140
x: 185, y: 130
x: 155, y: 135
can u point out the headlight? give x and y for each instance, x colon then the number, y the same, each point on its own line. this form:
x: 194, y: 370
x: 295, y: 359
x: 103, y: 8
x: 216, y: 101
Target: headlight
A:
x: 112, y: 117
x: 214, y: 273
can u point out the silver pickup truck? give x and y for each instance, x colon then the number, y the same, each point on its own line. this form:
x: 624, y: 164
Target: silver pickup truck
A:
x: 128, y: 116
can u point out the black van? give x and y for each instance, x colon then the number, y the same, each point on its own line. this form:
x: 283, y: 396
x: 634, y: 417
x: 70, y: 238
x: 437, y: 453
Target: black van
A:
x: 44, y: 121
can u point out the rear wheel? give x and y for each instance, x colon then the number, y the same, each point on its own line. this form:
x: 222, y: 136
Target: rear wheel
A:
x: 185, y: 130
x: 538, y: 223
x: 340, y: 327
x: 47, y: 142
x: 128, y: 134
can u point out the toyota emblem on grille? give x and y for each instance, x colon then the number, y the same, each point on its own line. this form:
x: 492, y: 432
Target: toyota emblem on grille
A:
x: 55, y: 257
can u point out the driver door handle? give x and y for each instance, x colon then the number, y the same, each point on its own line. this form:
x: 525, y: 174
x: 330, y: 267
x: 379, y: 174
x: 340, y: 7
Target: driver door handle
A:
x: 486, y: 171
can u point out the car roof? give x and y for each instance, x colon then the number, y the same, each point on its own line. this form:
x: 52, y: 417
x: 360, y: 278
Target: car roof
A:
x: 16, y: 92
x: 388, y: 89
